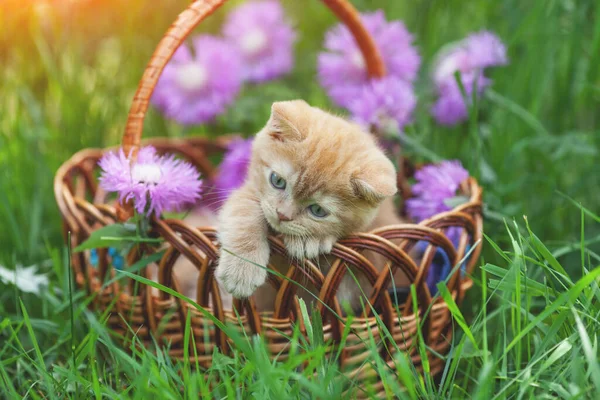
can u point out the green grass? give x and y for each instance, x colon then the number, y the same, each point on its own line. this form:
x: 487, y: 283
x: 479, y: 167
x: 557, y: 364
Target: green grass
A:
x: 527, y: 330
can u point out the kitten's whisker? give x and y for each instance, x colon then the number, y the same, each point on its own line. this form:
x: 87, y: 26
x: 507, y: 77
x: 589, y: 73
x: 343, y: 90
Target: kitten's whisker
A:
x: 213, y: 192
x: 210, y: 202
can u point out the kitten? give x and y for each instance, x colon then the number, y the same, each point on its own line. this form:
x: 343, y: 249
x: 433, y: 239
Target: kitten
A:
x: 313, y: 178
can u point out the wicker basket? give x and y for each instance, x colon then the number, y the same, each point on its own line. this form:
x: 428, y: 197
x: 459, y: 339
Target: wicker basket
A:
x: 85, y: 207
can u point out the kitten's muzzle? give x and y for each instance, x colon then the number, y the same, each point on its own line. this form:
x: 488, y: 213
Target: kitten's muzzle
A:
x: 282, y: 217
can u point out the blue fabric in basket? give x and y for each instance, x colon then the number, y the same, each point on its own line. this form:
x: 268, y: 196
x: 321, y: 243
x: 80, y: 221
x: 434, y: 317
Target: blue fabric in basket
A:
x: 117, y: 259
x: 441, y: 265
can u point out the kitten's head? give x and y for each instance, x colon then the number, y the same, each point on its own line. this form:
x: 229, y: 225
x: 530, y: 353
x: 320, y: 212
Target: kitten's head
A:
x: 318, y: 175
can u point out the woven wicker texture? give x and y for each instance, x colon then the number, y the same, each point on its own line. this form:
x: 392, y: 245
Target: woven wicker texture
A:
x: 134, y: 307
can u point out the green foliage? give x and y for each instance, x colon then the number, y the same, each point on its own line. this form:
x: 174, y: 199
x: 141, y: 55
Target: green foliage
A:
x: 114, y: 235
x: 522, y: 342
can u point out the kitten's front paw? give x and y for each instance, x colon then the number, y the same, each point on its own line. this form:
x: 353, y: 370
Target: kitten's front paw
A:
x: 239, y: 277
x: 326, y: 245
x: 308, y: 248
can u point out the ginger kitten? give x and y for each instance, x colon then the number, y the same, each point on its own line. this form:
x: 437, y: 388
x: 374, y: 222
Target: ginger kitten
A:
x: 313, y: 178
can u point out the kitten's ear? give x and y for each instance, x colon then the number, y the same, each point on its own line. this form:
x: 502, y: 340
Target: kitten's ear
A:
x: 375, y: 182
x: 286, y: 122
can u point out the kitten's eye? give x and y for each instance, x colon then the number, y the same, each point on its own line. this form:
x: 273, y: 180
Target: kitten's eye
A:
x: 277, y: 181
x: 318, y: 211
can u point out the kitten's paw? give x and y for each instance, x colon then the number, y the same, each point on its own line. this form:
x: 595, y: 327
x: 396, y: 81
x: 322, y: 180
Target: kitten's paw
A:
x: 308, y: 248
x: 294, y: 246
x: 326, y: 245
x: 311, y: 248
x: 239, y: 277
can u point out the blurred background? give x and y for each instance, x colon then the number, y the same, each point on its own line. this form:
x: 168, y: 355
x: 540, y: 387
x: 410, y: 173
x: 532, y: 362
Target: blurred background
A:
x: 69, y: 69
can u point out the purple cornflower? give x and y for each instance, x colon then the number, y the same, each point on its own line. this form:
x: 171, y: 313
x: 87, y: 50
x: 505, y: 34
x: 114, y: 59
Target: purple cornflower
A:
x: 264, y: 38
x: 233, y: 168
x: 450, y: 107
x: 486, y: 50
x: 386, y: 103
x: 436, y: 184
x: 342, y: 68
x: 469, y: 57
x: 154, y: 183
x: 195, y: 88
x: 232, y: 172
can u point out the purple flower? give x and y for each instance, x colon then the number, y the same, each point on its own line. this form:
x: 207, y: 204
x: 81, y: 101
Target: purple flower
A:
x: 386, y: 104
x: 154, y: 183
x: 264, y: 38
x: 194, y: 88
x: 450, y: 107
x: 232, y: 172
x: 469, y: 57
x: 436, y: 184
x: 233, y: 168
x: 486, y: 50
x: 342, y: 68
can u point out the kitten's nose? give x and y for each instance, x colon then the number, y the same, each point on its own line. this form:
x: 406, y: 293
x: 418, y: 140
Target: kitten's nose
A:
x: 282, y: 217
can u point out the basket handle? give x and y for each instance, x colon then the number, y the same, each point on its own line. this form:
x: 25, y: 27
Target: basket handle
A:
x: 183, y: 26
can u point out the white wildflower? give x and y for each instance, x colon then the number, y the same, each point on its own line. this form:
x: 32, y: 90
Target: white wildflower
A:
x: 25, y: 278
